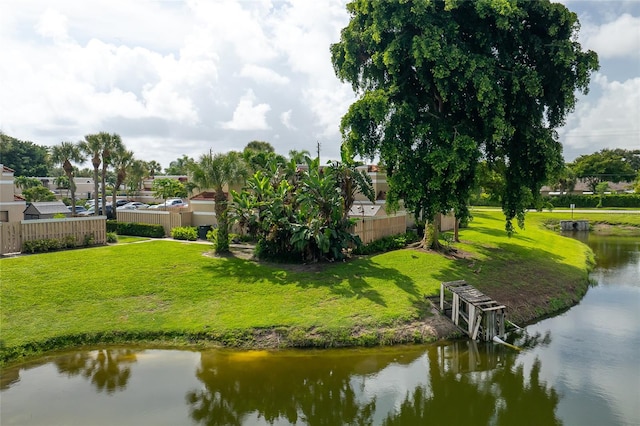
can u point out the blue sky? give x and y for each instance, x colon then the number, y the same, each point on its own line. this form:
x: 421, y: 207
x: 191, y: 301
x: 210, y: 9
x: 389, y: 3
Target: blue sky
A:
x: 179, y: 77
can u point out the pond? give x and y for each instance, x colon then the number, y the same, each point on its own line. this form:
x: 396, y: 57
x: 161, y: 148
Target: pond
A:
x: 578, y: 368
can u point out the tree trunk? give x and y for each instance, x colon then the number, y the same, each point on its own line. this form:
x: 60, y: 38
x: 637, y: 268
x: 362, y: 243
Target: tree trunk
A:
x: 222, y: 242
x: 456, y: 226
x: 68, y: 169
x: 96, y: 177
x: 432, y: 234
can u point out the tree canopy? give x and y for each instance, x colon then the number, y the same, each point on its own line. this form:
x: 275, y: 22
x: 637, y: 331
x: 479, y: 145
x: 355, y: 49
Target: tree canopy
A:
x: 606, y: 165
x: 443, y: 84
x: 24, y: 157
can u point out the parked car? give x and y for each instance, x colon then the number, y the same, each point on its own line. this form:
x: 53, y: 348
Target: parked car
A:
x: 79, y: 209
x: 91, y: 211
x: 174, y: 202
x: 170, y: 202
x: 134, y: 205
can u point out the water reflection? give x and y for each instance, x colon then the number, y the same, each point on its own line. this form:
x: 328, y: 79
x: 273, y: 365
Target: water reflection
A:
x: 107, y: 369
x: 457, y: 383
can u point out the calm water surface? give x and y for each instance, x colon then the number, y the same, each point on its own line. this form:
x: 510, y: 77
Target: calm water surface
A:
x: 579, y: 368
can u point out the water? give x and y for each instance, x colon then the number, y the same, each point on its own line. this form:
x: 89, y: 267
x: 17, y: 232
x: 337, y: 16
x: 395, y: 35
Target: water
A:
x: 579, y: 368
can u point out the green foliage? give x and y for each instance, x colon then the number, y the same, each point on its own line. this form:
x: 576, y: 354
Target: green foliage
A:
x: 89, y: 240
x: 136, y: 229
x: 42, y: 245
x: 606, y: 165
x: 591, y: 201
x: 442, y: 84
x: 25, y: 182
x: 189, y: 233
x: 393, y: 242
x: 217, y: 172
x: 180, y: 166
x: 59, y: 216
x: 168, y: 188
x: 24, y: 157
x: 69, y: 241
x: 112, y: 237
x: 38, y: 193
x: 301, y: 215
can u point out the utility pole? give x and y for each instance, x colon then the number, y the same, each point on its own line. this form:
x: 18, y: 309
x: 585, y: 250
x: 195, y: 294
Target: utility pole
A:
x: 318, y: 149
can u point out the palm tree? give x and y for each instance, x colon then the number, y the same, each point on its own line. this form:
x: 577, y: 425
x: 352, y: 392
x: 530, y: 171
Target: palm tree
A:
x: 121, y: 160
x: 92, y: 145
x: 299, y: 156
x: 110, y: 142
x: 154, y: 167
x: 215, y: 172
x: 137, y: 172
x: 64, y: 154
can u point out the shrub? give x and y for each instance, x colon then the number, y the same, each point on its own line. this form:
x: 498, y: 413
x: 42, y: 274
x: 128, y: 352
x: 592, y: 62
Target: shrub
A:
x: 393, y: 242
x: 89, y: 240
x: 136, y: 229
x: 43, y: 245
x: 69, y: 241
x: 184, y: 233
x: 112, y: 237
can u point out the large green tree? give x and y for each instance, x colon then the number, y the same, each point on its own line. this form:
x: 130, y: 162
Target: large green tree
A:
x: 65, y: 153
x: 606, y: 165
x: 24, y: 157
x: 443, y: 83
x: 217, y: 172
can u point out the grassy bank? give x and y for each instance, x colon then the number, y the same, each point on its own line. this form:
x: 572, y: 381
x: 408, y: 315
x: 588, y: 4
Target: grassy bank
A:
x: 177, y: 293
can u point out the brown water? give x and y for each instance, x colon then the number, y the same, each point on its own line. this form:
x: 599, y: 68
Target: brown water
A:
x: 579, y: 368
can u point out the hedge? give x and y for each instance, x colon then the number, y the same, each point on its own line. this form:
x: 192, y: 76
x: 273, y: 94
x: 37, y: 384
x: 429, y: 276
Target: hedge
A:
x: 135, y: 229
x: 592, y: 201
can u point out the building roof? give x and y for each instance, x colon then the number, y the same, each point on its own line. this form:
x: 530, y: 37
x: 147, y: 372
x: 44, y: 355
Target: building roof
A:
x: 6, y: 169
x: 47, y: 207
x: 364, y: 210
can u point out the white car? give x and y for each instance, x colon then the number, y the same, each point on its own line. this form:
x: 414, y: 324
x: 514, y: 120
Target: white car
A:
x: 134, y: 205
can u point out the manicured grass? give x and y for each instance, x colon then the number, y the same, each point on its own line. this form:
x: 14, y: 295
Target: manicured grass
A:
x: 167, y: 289
x: 124, y: 239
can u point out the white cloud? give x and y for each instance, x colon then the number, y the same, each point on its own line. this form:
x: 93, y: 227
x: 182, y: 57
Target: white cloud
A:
x: 53, y: 24
x: 285, y: 118
x: 248, y: 116
x: 172, y: 74
x: 610, y: 121
x: 261, y: 74
x: 615, y: 39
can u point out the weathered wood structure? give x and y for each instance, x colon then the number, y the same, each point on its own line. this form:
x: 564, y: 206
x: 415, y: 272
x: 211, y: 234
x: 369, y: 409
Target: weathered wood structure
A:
x: 574, y: 225
x: 475, y: 313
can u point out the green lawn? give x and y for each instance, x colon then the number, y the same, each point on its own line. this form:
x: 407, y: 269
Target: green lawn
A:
x: 165, y: 288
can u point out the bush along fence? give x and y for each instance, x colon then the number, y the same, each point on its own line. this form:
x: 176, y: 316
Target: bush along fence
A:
x: 136, y: 229
x: 32, y: 236
x: 594, y: 201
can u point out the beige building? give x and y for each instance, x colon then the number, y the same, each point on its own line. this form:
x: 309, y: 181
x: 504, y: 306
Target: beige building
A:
x: 12, y: 206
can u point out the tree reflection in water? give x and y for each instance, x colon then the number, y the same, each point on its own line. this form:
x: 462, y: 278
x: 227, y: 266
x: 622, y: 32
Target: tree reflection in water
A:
x: 467, y: 384
x: 107, y: 369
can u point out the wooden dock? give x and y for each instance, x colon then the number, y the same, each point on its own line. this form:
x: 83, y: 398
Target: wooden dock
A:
x: 475, y: 313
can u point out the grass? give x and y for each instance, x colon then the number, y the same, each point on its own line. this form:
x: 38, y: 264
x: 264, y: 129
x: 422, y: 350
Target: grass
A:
x: 176, y: 292
x: 125, y: 239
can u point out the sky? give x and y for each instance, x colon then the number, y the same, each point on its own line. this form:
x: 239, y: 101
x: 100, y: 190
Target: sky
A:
x: 183, y: 77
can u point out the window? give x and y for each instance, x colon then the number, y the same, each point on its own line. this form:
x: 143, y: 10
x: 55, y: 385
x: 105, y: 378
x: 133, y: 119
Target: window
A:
x: 4, y: 216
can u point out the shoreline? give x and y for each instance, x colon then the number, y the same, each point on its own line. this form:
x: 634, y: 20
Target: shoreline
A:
x: 524, y: 306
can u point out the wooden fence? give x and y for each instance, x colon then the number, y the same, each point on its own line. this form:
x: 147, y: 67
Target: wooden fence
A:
x: 14, y: 235
x: 374, y: 228
x: 168, y: 219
